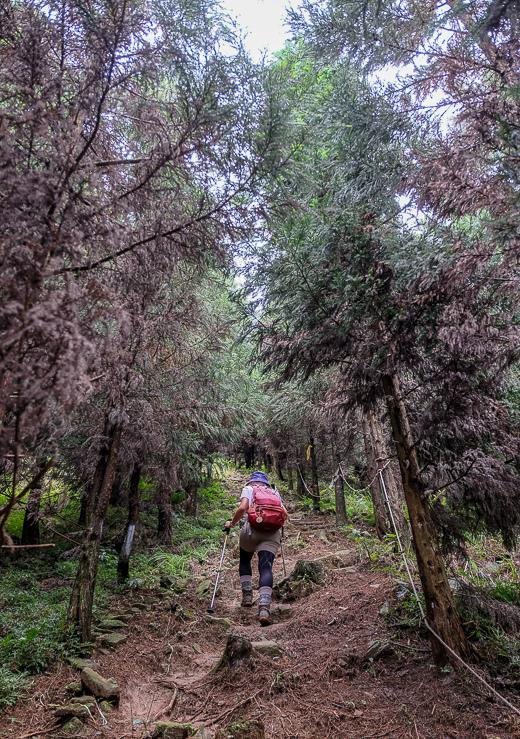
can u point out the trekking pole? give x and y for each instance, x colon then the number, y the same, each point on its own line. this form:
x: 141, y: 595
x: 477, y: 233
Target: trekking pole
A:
x: 212, y: 603
x: 283, y: 556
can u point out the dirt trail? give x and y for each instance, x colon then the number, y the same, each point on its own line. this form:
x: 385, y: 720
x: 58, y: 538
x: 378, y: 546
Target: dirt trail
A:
x: 320, y: 686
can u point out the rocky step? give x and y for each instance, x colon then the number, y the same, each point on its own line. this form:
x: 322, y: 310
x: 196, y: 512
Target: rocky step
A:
x: 79, y: 663
x: 251, y: 729
x: 99, y: 686
x: 125, y: 616
x: 266, y: 646
x: 173, y: 730
x: 73, y: 710
x: 111, y: 624
x: 218, y: 621
x: 71, y: 728
x: 83, y: 700
x: 111, y: 640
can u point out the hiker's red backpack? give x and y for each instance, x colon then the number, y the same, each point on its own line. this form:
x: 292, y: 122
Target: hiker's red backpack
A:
x: 266, y: 512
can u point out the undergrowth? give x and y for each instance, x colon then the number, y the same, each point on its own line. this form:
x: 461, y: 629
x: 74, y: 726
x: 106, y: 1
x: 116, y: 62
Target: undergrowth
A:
x: 488, y: 573
x: 34, y: 595
x: 40, y: 583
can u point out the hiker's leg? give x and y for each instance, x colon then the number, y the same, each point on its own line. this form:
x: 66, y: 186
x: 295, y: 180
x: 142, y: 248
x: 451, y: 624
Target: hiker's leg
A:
x: 246, y: 577
x: 265, y: 568
x: 246, y: 573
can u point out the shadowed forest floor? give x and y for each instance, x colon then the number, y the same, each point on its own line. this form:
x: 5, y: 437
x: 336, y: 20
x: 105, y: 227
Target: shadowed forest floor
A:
x: 322, y: 684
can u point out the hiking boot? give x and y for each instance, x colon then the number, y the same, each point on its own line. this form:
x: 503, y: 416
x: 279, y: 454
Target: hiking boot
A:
x: 264, y: 616
x: 247, y: 598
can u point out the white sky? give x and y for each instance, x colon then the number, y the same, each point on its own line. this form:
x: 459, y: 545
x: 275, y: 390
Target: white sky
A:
x: 262, y: 22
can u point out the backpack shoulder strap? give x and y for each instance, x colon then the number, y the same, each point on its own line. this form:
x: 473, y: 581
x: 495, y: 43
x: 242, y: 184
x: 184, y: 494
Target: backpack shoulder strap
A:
x: 253, y: 487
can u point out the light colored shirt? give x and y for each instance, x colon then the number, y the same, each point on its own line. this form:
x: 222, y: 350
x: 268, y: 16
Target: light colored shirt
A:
x: 247, y: 492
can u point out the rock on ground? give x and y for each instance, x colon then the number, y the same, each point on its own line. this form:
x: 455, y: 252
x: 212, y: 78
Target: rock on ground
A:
x: 172, y: 730
x: 73, y: 710
x: 306, y: 573
x: 83, y: 700
x: 308, y: 569
x: 99, y: 686
x: 217, y: 621
x: 238, y: 651
x: 267, y: 647
x: 79, y: 663
x: 242, y: 730
x: 112, y: 640
x: 109, y: 624
x: 71, y: 728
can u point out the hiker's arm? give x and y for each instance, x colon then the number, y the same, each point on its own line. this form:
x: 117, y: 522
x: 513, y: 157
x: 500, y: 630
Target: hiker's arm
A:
x: 242, y: 508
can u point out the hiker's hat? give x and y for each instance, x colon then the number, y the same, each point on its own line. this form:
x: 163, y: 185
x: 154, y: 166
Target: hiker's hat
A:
x: 259, y: 477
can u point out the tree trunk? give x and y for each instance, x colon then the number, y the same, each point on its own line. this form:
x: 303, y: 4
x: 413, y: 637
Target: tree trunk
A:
x: 164, y: 516
x: 377, y: 457
x: 440, y: 607
x: 123, y: 564
x: 290, y: 477
x: 373, y: 455
x: 31, y: 520
x: 277, y: 464
x: 267, y: 460
x: 116, y: 493
x: 315, y: 487
x: 339, y: 492
x: 396, y: 498
x: 15, y: 497
x: 301, y: 488
x: 192, y: 500
x: 83, y: 506
x: 249, y: 455
x: 82, y: 596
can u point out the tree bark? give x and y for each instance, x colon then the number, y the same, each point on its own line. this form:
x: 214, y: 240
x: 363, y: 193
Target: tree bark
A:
x: 83, y: 506
x: 300, y: 479
x: 382, y: 521
x: 31, y: 520
x: 377, y: 457
x: 339, y: 492
x: 123, y: 564
x: 290, y: 477
x: 6, y: 509
x: 82, y: 596
x: 277, y: 464
x: 116, y: 493
x: 315, y: 487
x: 440, y: 607
x: 164, y: 516
x: 249, y: 455
x: 192, y: 500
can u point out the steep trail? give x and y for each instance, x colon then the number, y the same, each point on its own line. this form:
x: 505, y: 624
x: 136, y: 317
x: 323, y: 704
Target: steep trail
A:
x: 321, y: 685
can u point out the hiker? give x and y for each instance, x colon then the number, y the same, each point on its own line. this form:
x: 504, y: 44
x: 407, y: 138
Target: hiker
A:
x: 263, y: 515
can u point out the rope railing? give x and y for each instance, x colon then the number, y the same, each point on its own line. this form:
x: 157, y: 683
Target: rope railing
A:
x: 432, y: 631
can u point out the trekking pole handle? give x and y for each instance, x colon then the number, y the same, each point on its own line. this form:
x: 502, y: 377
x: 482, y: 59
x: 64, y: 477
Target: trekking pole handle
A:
x: 226, y: 530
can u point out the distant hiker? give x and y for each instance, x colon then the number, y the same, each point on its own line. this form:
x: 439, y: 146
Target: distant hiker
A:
x: 263, y: 515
